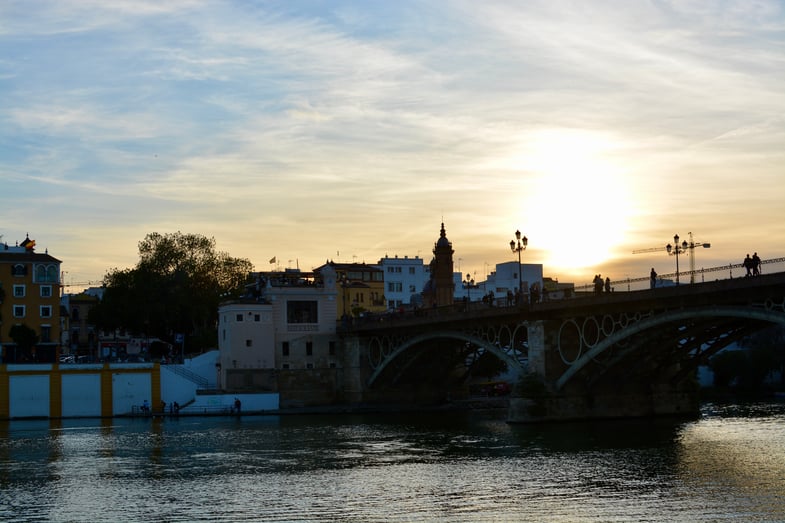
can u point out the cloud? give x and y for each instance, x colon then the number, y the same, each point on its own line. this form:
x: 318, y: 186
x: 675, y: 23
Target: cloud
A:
x: 366, y: 124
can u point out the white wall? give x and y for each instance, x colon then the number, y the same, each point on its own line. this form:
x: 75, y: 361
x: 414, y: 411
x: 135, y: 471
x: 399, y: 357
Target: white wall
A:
x: 81, y: 395
x: 249, y: 402
x: 29, y: 396
x: 176, y: 388
x: 129, y: 390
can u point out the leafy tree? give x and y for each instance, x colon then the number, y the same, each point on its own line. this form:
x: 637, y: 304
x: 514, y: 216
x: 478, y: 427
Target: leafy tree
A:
x: 176, y: 287
x: 488, y: 365
x: 25, y: 339
x: 746, y: 370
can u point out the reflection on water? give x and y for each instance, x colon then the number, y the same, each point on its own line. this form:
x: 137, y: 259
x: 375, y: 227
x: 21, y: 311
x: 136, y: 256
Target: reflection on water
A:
x: 728, y: 464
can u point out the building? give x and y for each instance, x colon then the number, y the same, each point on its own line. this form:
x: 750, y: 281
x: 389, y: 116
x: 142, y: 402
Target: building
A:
x: 404, y: 280
x: 29, y: 297
x: 440, y: 288
x: 504, y: 281
x: 361, y: 288
x: 79, y: 337
x: 281, y: 337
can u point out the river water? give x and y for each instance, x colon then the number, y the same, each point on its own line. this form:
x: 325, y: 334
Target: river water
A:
x: 727, y: 465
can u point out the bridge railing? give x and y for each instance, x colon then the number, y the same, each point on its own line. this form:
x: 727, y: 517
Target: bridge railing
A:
x: 616, y: 284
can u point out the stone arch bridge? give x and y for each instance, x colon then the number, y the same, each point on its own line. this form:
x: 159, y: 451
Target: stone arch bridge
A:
x: 611, y: 355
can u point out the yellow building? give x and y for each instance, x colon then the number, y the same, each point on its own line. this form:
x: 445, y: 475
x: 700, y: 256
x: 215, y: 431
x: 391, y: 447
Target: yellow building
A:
x: 30, y: 297
x: 360, y: 288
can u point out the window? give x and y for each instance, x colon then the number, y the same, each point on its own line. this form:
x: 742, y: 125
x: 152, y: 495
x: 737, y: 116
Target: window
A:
x: 285, y: 348
x: 46, y: 334
x: 395, y: 286
x: 412, y: 270
x: 332, y: 348
x: 75, y: 314
x: 257, y: 318
x: 19, y: 270
x: 45, y: 273
x: 309, y: 366
x: 19, y: 311
x: 239, y: 317
x: 332, y: 365
x: 302, y: 312
x: 285, y: 366
x: 46, y: 291
x: 309, y: 348
x: 248, y: 343
x: 412, y: 289
x: 46, y: 311
x: 19, y: 291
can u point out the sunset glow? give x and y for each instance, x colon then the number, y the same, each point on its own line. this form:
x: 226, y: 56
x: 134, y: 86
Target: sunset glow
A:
x: 309, y: 131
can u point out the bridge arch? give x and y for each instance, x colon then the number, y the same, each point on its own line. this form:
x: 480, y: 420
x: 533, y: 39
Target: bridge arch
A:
x: 500, y: 353
x: 768, y: 314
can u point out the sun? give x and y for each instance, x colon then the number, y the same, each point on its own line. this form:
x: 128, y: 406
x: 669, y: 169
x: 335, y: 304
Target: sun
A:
x: 577, y: 201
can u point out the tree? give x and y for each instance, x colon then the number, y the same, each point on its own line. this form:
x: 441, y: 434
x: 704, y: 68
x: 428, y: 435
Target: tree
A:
x: 176, y: 287
x: 25, y: 339
x: 747, y: 370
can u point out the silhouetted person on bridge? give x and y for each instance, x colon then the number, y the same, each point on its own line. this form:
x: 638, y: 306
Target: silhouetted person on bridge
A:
x: 598, y: 284
x: 653, y: 278
x: 607, y: 284
x: 747, y: 264
x: 755, y: 264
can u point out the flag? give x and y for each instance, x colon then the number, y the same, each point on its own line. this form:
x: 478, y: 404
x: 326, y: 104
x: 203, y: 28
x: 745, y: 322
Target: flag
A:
x: 272, y: 260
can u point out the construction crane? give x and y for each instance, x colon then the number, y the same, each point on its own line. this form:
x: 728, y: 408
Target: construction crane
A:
x: 676, y: 249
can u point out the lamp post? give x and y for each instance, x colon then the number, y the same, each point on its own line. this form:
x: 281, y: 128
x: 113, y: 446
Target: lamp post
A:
x: 677, y: 249
x: 468, y: 284
x: 519, y: 247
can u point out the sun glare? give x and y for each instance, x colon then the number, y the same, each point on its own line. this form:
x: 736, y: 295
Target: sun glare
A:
x: 577, y: 201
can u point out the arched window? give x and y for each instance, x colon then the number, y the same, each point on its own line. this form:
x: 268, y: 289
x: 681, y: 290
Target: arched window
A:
x: 46, y: 273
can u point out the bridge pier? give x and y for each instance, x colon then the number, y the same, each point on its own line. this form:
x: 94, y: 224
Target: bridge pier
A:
x: 575, y: 405
x: 537, y: 397
x: 355, y: 371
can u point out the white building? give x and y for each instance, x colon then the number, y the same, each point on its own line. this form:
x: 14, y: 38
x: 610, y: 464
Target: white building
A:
x: 403, y: 278
x: 290, y: 323
x: 506, y: 278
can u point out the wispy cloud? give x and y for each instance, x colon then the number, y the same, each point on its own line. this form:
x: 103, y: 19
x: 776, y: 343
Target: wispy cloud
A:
x: 365, y: 124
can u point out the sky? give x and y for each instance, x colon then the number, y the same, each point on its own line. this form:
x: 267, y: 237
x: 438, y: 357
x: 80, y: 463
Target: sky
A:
x: 309, y: 131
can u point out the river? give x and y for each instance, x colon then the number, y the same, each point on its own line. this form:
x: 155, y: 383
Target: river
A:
x: 727, y: 465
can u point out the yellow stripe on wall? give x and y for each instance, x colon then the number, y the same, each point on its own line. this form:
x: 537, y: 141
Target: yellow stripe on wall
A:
x: 55, y: 392
x: 5, y: 404
x: 107, y: 399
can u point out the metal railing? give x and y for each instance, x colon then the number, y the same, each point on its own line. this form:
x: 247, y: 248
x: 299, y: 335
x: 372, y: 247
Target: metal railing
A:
x: 696, y: 272
x: 191, y: 376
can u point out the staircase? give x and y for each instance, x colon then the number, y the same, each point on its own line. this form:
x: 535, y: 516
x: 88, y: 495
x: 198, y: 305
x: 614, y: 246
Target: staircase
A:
x: 200, y: 381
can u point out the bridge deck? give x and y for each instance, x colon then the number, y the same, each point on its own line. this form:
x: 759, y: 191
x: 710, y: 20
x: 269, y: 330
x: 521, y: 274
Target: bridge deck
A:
x: 720, y: 292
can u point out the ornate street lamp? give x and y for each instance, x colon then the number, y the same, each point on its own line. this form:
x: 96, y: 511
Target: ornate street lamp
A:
x: 519, y: 247
x: 677, y: 249
x: 468, y: 284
